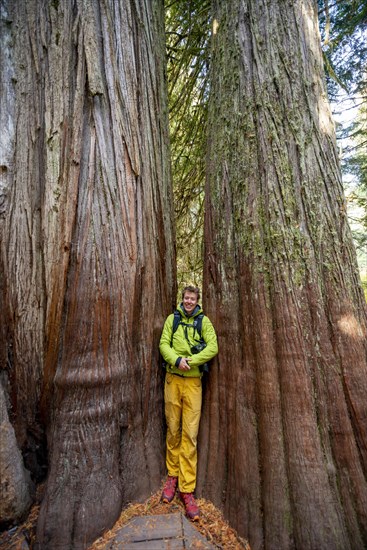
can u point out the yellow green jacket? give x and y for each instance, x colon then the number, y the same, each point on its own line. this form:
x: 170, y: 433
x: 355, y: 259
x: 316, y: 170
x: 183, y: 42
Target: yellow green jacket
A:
x: 181, y: 347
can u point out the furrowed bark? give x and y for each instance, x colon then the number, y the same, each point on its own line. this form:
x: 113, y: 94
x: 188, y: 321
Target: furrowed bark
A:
x: 89, y: 253
x: 281, y: 284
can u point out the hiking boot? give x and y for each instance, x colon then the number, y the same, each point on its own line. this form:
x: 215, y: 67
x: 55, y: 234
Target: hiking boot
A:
x: 169, y: 489
x: 192, y: 509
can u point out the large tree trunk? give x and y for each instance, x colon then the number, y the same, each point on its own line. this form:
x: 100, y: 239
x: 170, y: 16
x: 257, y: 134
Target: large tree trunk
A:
x: 281, y: 285
x: 87, y: 248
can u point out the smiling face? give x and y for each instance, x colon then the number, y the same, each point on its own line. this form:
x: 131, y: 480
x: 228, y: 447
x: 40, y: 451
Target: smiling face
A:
x: 190, y: 301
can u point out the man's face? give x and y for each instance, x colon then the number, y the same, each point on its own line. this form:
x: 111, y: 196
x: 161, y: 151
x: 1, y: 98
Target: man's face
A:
x: 190, y: 301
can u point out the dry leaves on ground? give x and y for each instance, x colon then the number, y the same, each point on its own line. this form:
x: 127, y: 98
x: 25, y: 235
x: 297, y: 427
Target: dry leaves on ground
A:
x: 212, y: 525
x: 22, y: 536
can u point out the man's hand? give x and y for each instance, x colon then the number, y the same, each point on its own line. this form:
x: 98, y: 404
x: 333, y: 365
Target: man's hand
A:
x: 184, y: 363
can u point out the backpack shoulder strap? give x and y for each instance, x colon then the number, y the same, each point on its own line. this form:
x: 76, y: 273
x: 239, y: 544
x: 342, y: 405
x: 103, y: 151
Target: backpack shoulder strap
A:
x: 176, y: 322
x: 198, y: 323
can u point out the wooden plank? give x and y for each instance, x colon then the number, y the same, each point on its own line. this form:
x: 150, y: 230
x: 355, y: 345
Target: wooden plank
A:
x: 167, y: 544
x: 148, y: 527
x: 164, y: 532
x: 192, y: 537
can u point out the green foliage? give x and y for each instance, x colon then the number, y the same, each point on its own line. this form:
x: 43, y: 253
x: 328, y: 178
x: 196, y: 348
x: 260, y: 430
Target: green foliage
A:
x: 354, y: 163
x: 344, y: 41
x: 364, y: 286
x: 187, y: 41
x: 343, y: 33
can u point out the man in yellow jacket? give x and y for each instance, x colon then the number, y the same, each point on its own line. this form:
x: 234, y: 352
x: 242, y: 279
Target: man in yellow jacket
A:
x: 185, y: 352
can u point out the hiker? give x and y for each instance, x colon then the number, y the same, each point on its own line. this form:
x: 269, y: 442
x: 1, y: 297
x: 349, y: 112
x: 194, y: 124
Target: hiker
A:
x: 187, y: 343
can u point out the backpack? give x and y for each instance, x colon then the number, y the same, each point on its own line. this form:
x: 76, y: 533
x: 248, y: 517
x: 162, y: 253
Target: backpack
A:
x: 197, y: 324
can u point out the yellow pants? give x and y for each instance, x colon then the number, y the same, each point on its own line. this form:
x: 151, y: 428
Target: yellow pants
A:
x: 182, y: 398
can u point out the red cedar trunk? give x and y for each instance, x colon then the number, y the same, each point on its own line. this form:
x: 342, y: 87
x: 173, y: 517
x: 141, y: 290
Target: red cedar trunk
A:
x: 283, y: 443
x: 88, y: 250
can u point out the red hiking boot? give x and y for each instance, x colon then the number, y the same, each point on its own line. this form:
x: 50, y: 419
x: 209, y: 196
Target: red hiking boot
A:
x: 192, y: 509
x: 169, y: 489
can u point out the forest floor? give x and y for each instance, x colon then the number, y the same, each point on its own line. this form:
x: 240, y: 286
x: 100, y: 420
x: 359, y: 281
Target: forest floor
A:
x: 212, y: 525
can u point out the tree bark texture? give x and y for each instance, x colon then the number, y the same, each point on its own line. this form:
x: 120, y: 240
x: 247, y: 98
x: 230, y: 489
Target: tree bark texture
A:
x: 87, y: 251
x: 282, y: 288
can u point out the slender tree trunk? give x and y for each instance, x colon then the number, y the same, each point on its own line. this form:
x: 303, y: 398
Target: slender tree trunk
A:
x: 88, y: 253
x: 281, y: 285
